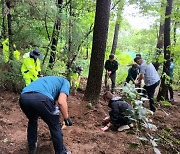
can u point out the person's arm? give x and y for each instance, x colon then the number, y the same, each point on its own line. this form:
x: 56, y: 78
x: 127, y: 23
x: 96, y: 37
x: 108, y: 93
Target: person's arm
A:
x: 142, y: 72
x: 140, y: 77
x: 62, y: 103
x: 130, y: 75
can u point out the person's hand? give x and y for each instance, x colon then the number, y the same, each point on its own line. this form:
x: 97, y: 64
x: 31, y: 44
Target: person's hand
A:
x: 106, y: 119
x: 137, y: 83
x: 109, y: 73
x: 68, y: 122
x: 63, y: 125
x: 104, y: 128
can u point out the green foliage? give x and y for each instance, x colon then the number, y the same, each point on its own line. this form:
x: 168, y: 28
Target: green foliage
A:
x: 140, y: 115
x: 10, y: 76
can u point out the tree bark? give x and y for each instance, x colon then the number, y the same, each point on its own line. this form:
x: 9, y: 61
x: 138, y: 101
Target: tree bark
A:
x: 167, y: 54
x: 98, y: 50
x: 55, y: 35
x: 160, y: 44
x: 116, y: 30
x: 9, y: 20
x: 3, y: 32
x: 175, y: 28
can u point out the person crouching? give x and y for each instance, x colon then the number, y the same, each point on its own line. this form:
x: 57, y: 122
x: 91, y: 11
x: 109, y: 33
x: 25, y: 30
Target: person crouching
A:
x: 117, y: 119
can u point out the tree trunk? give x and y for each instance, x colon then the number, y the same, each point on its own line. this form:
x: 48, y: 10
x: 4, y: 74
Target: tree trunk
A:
x: 9, y: 20
x: 175, y: 28
x: 167, y: 43
x: 70, y: 54
x: 160, y: 44
x: 4, y: 31
x: 98, y: 50
x: 116, y: 30
x: 55, y: 35
x: 160, y: 39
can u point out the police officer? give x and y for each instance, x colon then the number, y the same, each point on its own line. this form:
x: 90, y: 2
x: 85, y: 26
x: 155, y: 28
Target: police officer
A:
x: 31, y: 66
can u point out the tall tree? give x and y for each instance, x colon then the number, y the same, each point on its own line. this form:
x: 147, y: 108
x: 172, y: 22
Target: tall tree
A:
x: 98, y: 50
x: 167, y: 54
x: 175, y: 31
x: 9, y: 21
x: 55, y: 34
x: 3, y: 31
x: 117, y: 25
x: 160, y: 45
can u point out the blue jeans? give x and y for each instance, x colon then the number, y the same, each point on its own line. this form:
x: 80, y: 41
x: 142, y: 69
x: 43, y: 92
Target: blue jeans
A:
x: 150, y: 92
x: 36, y: 105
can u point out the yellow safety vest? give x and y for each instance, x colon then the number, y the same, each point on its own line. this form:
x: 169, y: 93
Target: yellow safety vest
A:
x: 16, y: 54
x: 30, y: 69
x: 75, y: 80
x: 5, y: 44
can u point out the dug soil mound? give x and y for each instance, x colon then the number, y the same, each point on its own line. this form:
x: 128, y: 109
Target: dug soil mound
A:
x: 84, y: 137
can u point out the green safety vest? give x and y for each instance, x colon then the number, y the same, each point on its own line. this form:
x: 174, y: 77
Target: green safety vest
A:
x: 75, y: 80
x: 5, y: 44
x: 30, y: 69
x: 16, y: 54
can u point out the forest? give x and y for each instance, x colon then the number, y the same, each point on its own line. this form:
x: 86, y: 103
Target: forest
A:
x: 79, y: 36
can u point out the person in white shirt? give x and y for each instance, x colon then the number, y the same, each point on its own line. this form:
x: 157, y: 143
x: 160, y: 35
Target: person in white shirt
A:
x: 151, y: 79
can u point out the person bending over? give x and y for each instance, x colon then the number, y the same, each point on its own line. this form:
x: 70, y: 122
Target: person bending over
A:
x: 116, y: 118
x: 132, y: 73
x: 38, y: 99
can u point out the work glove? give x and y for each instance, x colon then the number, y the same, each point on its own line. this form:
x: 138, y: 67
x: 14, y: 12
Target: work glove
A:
x: 68, y: 122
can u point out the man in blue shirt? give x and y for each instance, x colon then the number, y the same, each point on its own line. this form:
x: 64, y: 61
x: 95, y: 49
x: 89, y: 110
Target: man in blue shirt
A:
x: 38, y: 99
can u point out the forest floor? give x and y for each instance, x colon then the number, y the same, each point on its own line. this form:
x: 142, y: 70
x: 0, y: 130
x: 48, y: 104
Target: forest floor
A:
x: 84, y: 137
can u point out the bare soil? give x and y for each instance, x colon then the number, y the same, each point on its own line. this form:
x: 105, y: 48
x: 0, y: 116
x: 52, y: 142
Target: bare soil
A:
x: 84, y: 137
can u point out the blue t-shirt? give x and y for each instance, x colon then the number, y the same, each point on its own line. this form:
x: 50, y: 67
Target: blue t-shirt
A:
x: 50, y: 86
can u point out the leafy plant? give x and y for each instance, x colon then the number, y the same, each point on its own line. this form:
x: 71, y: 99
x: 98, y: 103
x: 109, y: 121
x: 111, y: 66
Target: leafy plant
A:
x: 140, y: 116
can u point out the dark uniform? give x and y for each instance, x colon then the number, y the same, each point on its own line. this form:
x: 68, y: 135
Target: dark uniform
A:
x: 118, y: 107
x: 132, y: 74
x: 111, y: 66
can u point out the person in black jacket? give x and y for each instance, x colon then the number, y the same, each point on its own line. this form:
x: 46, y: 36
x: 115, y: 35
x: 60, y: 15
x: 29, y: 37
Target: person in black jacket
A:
x: 132, y: 73
x: 111, y: 67
x: 116, y: 117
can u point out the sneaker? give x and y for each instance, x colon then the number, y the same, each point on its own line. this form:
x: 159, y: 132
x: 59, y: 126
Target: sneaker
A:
x: 131, y: 125
x: 172, y: 100
x: 124, y: 127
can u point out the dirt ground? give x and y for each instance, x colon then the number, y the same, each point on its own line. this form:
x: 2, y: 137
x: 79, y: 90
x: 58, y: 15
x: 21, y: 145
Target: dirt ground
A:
x: 84, y: 137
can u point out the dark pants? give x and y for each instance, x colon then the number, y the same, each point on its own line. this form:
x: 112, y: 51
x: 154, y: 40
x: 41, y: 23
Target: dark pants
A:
x: 113, y: 80
x: 150, y: 92
x: 36, y: 105
x: 120, y: 121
